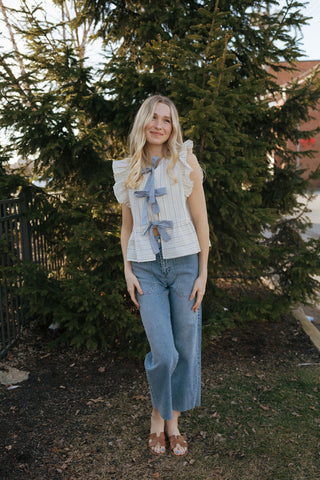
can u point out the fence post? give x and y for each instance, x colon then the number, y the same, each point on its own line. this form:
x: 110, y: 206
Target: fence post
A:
x: 25, y: 231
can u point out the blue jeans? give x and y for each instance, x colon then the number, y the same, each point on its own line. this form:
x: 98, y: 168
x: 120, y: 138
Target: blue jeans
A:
x: 173, y: 366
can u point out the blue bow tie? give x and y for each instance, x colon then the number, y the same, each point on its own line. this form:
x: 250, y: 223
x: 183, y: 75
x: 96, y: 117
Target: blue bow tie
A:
x: 161, y: 225
x: 150, y: 192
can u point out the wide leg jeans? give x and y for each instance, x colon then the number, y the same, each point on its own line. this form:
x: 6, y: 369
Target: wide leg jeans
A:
x: 173, y: 365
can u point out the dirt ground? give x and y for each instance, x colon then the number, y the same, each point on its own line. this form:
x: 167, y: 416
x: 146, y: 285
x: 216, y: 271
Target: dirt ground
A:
x: 83, y: 415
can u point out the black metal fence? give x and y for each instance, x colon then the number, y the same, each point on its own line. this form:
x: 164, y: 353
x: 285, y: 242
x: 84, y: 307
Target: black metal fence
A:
x: 20, y: 240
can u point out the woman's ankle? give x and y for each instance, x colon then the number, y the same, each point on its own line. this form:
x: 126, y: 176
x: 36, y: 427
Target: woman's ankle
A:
x: 157, y: 422
x: 172, y: 427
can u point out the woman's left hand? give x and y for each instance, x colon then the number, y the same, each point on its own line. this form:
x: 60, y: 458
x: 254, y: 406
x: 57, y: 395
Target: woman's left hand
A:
x: 198, y: 291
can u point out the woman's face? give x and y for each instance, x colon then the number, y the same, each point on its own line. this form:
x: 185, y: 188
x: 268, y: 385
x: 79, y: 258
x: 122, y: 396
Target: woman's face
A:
x: 159, y: 129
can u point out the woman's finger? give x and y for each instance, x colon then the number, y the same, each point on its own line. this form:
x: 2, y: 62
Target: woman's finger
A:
x: 137, y: 284
x: 198, y: 301
x: 132, y: 294
x: 133, y: 298
x: 134, y: 284
x: 193, y: 293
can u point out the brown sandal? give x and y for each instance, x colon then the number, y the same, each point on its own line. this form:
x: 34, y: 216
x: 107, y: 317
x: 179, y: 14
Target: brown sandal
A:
x: 174, y: 440
x: 155, y: 439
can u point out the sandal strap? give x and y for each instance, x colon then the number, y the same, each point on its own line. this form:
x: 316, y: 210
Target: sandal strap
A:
x: 177, y: 439
x: 154, y: 439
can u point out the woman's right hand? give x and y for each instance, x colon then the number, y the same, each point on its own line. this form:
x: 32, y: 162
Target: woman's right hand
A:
x: 132, y: 285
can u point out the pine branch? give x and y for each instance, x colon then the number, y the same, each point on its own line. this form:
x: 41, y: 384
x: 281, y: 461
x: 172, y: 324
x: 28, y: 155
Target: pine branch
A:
x: 282, y: 22
x: 14, y: 80
x: 215, y: 94
x: 12, y: 38
x: 210, y: 37
x: 34, y: 21
x: 23, y: 87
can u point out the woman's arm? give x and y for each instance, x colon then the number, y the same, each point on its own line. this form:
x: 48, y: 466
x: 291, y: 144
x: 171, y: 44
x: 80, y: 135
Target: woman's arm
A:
x: 131, y: 279
x: 198, y: 210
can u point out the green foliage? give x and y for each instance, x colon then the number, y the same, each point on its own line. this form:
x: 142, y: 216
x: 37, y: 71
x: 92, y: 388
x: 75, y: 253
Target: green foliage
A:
x: 214, y: 59
x: 87, y: 306
x: 70, y: 115
x: 86, y: 296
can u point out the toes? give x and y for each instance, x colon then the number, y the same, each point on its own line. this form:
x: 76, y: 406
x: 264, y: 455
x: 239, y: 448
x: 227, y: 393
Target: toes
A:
x: 158, y: 449
x: 179, y: 450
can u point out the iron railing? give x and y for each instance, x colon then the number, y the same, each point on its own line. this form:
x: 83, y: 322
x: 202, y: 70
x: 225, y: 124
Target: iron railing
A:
x: 14, y: 235
x: 22, y: 240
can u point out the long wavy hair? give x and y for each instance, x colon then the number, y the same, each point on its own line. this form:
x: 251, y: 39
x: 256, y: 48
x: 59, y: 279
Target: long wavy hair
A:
x: 137, y: 139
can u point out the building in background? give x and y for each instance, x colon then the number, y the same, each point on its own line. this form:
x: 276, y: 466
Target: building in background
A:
x: 304, y: 70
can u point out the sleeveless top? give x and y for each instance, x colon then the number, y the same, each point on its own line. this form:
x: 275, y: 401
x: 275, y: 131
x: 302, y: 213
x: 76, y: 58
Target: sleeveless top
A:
x: 161, y: 203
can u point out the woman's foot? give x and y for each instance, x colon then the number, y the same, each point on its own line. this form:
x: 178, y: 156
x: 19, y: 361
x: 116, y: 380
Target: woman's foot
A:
x: 157, y: 443
x: 178, y: 444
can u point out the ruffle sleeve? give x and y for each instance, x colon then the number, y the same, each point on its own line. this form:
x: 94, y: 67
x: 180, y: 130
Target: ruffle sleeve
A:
x: 121, y: 170
x: 185, y: 168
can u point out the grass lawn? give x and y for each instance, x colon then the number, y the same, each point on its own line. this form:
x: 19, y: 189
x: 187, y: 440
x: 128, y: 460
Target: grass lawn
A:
x: 86, y: 416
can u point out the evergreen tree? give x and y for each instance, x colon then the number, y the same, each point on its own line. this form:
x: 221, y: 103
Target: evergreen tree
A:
x: 215, y: 59
x: 70, y: 115
x: 54, y: 114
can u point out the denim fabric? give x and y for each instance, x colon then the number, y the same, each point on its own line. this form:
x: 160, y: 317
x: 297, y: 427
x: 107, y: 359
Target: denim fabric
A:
x: 173, y: 365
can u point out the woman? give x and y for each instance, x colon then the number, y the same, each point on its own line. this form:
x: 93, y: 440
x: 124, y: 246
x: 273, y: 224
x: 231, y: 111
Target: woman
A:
x: 165, y: 244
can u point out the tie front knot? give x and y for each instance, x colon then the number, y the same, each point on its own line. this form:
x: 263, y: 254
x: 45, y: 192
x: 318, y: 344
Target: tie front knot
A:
x: 161, y: 226
x: 150, y: 193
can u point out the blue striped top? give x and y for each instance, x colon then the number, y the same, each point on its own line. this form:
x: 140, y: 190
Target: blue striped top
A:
x: 173, y: 220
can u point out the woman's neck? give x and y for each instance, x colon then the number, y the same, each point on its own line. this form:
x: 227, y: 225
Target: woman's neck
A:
x: 154, y: 151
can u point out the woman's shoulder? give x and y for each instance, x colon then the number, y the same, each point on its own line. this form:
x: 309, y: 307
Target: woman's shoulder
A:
x: 123, y: 163
x: 190, y: 169
x: 184, y: 165
x: 187, y: 157
x: 121, y: 167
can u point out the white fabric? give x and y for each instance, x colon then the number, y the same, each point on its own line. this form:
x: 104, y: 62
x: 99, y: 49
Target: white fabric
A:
x: 173, y: 206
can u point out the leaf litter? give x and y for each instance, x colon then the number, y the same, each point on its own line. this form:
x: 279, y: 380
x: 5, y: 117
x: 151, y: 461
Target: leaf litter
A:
x: 85, y: 416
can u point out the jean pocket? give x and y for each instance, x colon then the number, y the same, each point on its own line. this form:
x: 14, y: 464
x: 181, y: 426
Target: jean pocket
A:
x: 186, y: 274
x: 150, y: 288
x: 144, y: 273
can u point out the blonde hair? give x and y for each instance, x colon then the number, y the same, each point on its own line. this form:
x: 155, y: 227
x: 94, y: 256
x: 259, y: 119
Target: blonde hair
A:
x: 137, y: 139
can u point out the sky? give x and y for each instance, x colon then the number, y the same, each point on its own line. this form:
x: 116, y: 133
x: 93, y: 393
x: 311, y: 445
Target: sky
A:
x: 311, y: 33
x: 310, y: 41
